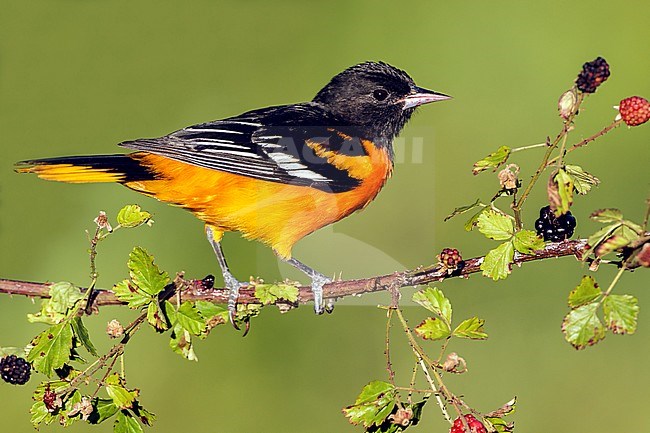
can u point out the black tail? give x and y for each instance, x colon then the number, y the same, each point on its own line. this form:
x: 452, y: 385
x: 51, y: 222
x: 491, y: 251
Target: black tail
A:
x: 88, y: 169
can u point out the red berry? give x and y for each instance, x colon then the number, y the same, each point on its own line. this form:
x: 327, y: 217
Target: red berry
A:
x: 474, y: 425
x: 450, y: 258
x: 634, y: 110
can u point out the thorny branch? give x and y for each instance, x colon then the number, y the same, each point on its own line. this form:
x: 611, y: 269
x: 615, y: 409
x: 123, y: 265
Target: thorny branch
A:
x: 194, y: 290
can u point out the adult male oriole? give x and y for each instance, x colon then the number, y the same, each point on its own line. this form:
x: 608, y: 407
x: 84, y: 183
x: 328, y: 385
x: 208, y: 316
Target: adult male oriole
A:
x: 275, y: 174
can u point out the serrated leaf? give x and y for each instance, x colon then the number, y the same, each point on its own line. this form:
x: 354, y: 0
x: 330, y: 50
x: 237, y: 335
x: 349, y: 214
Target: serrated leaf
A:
x: 373, y: 405
x: 189, y: 318
x: 122, y: 397
x: 621, y: 313
x: 63, y: 297
x: 80, y: 331
x: 147, y: 418
x: 620, y: 237
x: 132, y: 295
x: 582, y: 181
x: 560, y: 192
x: 51, y: 349
x: 433, y: 328
x: 500, y: 425
x: 493, y: 160
x: 495, y: 225
x: 132, y: 216
x: 527, y: 242
x: 270, y: 293
x: 586, y: 292
x: 65, y: 420
x: 609, y: 215
x: 582, y: 327
x: 145, y: 273
x: 497, y: 264
x: 213, y: 314
x: 435, y: 301
x: 471, y: 328
x: 103, y: 409
x: 126, y: 423
x: 40, y: 414
x: 462, y: 209
x: 156, y: 318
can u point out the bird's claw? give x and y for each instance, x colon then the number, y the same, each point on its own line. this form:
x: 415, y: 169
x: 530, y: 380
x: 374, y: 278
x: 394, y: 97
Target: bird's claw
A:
x: 233, y: 285
x: 317, y: 283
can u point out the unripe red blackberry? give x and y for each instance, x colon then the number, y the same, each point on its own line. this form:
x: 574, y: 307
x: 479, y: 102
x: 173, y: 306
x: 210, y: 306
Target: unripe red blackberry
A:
x: 593, y: 74
x: 15, y: 370
x: 474, y: 425
x: 634, y: 110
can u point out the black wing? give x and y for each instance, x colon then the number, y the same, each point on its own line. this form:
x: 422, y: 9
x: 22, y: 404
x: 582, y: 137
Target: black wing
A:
x: 268, y: 144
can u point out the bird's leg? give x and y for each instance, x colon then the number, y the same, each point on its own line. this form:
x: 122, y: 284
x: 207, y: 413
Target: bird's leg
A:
x: 232, y: 283
x: 318, y: 280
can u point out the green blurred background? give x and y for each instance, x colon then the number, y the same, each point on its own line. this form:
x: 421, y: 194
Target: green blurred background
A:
x: 77, y: 77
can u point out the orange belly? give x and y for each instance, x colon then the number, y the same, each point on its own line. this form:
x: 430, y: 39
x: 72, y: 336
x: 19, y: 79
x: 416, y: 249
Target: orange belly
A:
x: 271, y: 212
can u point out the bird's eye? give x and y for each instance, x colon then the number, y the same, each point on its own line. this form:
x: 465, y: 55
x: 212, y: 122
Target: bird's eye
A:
x: 380, y: 94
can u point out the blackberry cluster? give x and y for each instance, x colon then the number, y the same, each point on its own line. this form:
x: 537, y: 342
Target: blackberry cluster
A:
x: 593, y: 74
x: 15, y: 370
x: 552, y: 228
x: 450, y: 258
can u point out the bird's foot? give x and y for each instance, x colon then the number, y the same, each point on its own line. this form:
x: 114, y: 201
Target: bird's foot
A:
x: 233, y: 285
x: 318, y: 280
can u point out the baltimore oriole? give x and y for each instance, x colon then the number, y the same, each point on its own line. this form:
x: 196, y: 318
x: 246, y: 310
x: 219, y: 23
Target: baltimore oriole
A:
x: 275, y: 174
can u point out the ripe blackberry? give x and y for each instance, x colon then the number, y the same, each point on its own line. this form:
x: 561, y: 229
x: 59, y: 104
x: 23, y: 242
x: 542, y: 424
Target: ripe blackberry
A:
x: 593, y: 74
x: 474, y: 425
x: 15, y: 370
x: 552, y: 228
x: 450, y: 258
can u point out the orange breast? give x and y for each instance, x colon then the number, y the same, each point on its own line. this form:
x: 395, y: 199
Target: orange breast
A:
x: 271, y: 212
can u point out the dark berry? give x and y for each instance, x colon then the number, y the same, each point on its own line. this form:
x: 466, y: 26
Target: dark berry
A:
x: 552, y: 228
x: 450, y: 258
x: 15, y: 370
x: 593, y: 74
x: 208, y: 282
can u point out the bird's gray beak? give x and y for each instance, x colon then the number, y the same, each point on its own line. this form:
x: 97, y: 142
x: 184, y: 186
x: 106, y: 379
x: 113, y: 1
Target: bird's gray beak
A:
x: 420, y: 96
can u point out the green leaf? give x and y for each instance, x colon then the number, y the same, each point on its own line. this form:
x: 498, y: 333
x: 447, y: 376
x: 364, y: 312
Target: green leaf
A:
x: 586, y: 292
x: 621, y: 313
x: 190, y: 319
x: 582, y: 181
x: 373, y: 405
x: 122, y: 397
x: 213, y: 314
x: 181, y: 343
x: 607, y: 216
x: 144, y: 272
x: 132, y: 295
x: 40, y: 414
x: 527, y: 242
x: 493, y: 160
x: 582, y: 327
x: 69, y: 403
x: 126, y: 423
x: 433, y: 328
x: 81, y: 333
x: 435, y: 301
x: 156, y: 318
x: 146, y: 417
x: 471, y: 328
x: 51, y: 349
x: 132, y: 216
x: 495, y: 225
x: 498, y: 262
x: 104, y: 408
x: 462, y: 209
x: 621, y: 237
x: 560, y: 192
x: 63, y: 297
x: 270, y: 293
